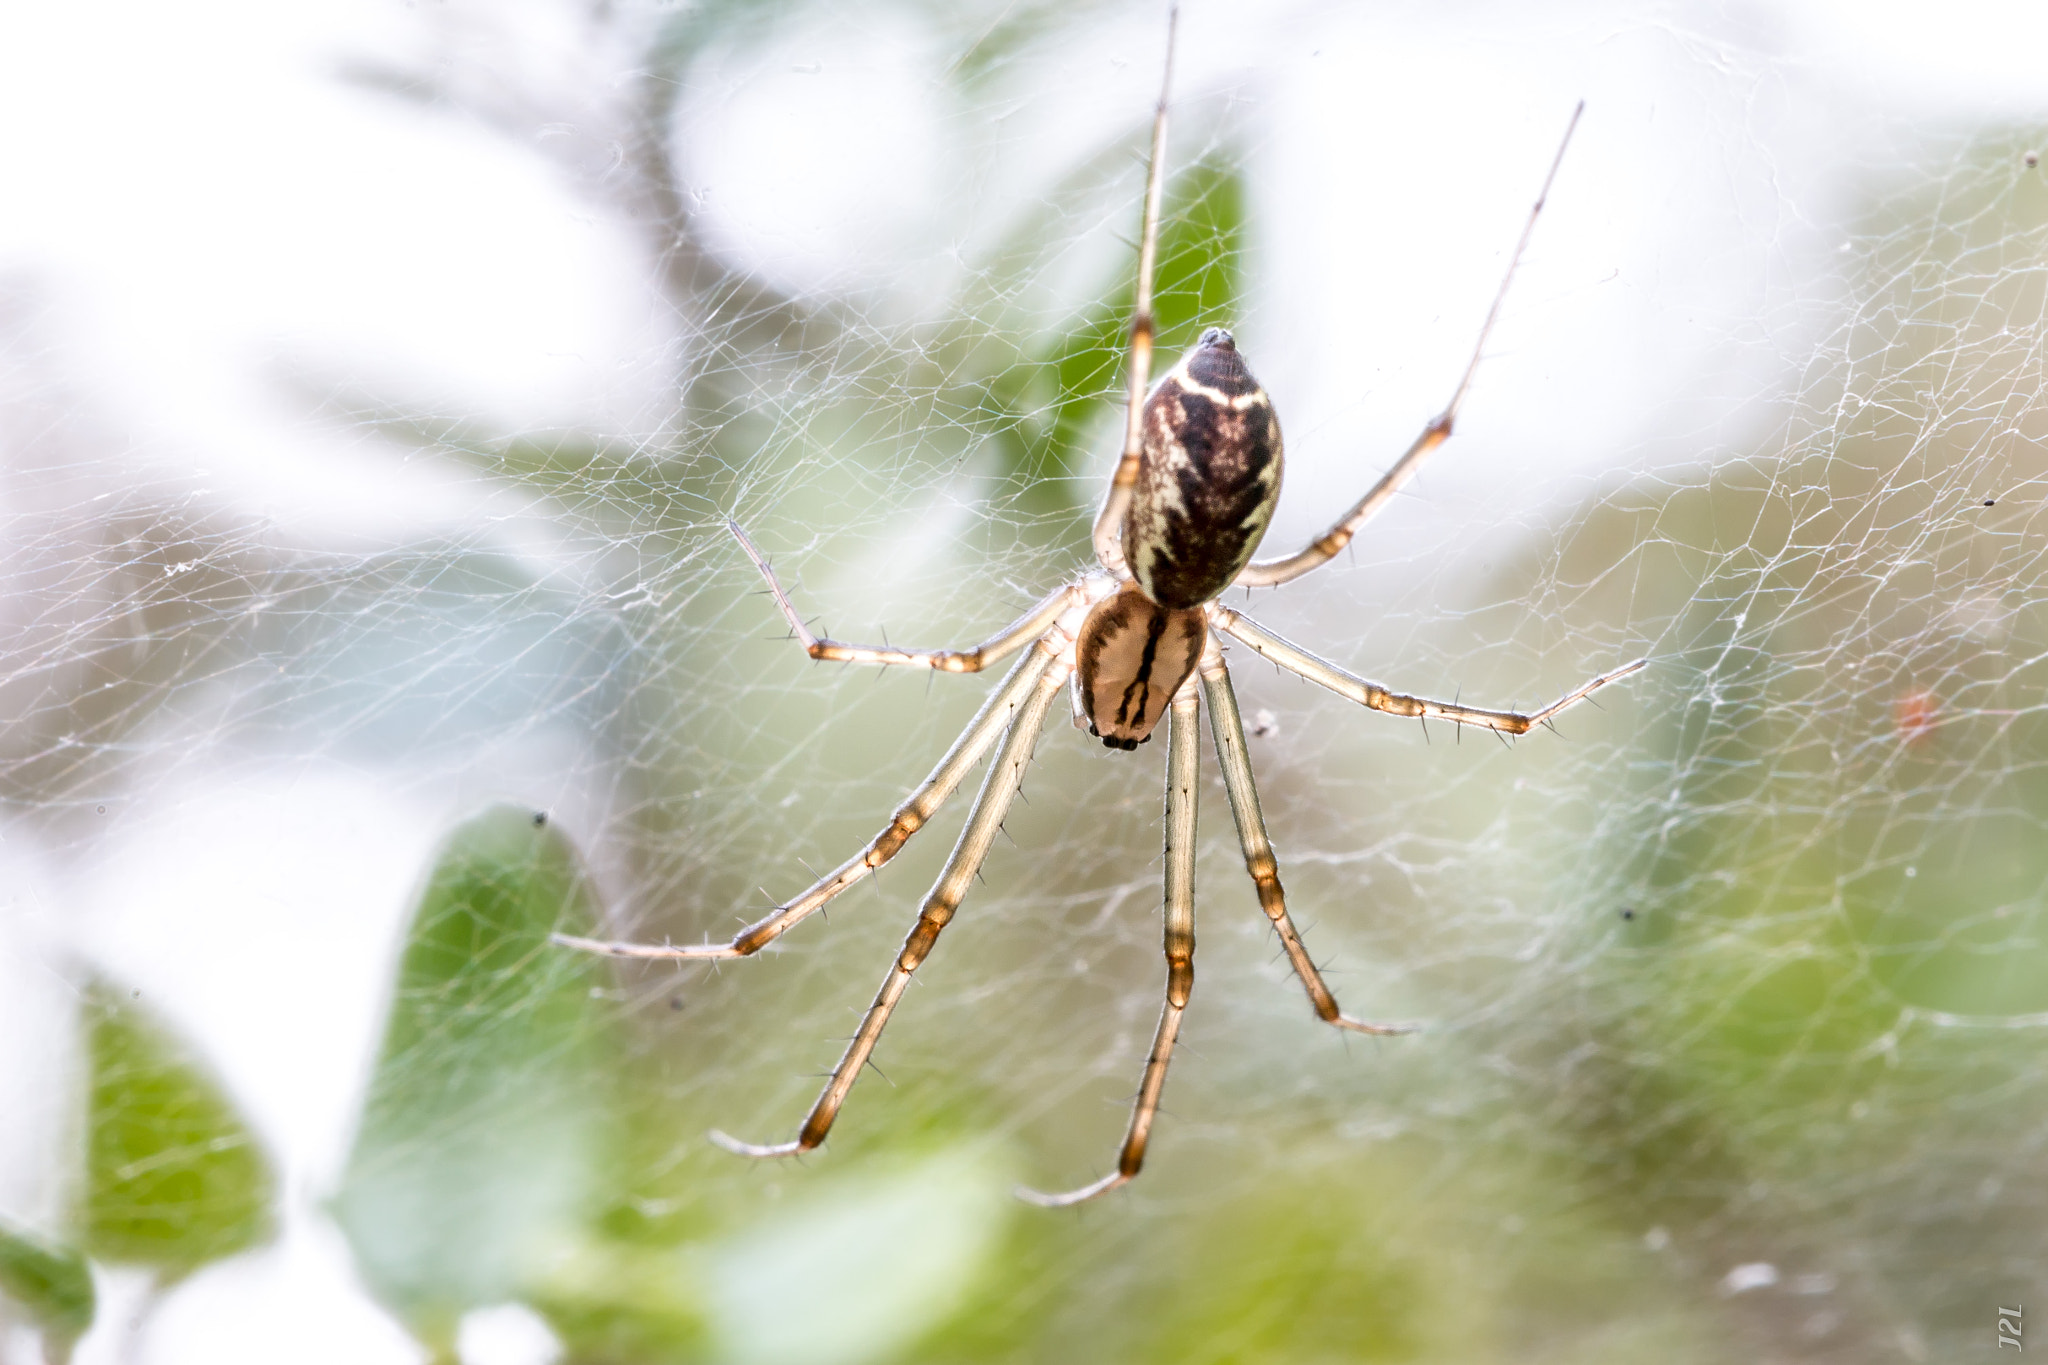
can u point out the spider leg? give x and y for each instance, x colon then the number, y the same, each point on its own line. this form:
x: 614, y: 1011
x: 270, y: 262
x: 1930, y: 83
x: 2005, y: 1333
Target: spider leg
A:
x: 1299, y: 661
x: 1004, y: 643
x: 992, y: 803
x: 1109, y: 522
x: 1228, y: 728
x: 1273, y: 572
x: 911, y: 816
x: 1183, y: 773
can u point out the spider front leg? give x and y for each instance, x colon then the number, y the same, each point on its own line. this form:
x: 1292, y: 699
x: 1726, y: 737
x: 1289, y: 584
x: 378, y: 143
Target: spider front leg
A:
x: 991, y: 804
x: 1013, y: 637
x: 1183, y: 772
x: 1301, y: 663
x: 910, y: 817
x: 1109, y: 522
x: 1227, y: 725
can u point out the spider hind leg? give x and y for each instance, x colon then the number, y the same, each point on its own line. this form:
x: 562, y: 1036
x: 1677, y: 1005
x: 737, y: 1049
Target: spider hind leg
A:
x: 1183, y: 777
x: 1227, y: 726
x: 998, y: 786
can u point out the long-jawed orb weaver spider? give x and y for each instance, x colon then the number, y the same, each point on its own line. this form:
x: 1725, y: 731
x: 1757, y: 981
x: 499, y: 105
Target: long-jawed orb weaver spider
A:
x: 1191, y: 498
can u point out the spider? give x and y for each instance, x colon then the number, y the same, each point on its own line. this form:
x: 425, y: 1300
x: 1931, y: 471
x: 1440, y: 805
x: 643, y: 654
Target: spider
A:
x: 1138, y: 638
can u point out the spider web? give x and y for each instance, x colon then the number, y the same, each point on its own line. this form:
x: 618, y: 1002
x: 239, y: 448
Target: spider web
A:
x: 347, y: 500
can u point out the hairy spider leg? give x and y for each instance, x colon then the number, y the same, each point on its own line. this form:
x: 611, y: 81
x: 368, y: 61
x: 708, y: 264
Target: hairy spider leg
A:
x: 991, y: 804
x: 1183, y: 775
x: 1301, y: 663
x: 1109, y: 522
x: 1004, y: 643
x: 1269, y: 573
x: 1227, y: 727
x: 917, y: 809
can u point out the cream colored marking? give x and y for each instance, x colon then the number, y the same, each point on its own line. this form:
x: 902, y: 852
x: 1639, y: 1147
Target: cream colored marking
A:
x: 1243, y: 402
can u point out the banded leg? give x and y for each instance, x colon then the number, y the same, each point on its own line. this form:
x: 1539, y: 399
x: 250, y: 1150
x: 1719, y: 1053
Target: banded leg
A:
x: 1109, y: 522
x: 1006, y: 642
x: 910, y: 817
x: 1301, y: 663
x: 1270, y: 573
x: 991, y: 804
x: 1228, y: 728
x: 1183, y: 773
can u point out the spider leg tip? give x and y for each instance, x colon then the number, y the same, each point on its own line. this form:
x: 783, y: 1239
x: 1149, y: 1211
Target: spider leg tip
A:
x: 738, y: 1148
x: 1045, y: 1200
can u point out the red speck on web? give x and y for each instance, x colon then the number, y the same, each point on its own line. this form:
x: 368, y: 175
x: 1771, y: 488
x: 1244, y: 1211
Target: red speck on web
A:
x: 1914, y: 715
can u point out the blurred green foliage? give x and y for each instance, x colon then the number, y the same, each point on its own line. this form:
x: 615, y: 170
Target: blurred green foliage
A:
x: 52, y: 1282
x: 174, y: 1179
x: 1824, y: 1010
x: 484, y: 1135
x: 1060, y: 400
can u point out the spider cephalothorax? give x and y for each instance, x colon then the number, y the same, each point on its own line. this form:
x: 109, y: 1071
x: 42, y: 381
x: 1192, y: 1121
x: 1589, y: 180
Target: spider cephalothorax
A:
x: 1191, y: 496
x: 1130, y: 657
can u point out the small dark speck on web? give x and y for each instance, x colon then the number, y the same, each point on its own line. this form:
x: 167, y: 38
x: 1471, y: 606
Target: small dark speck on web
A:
x: 1991, y: 502
x: 2032, y: 159
x: 1628, y: 912
x: 540, y: 817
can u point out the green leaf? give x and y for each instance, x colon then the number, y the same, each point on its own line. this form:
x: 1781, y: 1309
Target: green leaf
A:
x: 482, y: 1141
x: 52, y: 1282
x: 173, y: 1177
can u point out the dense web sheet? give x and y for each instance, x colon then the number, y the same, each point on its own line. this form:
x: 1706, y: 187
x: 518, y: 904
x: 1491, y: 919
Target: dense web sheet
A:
x: 393, y: 491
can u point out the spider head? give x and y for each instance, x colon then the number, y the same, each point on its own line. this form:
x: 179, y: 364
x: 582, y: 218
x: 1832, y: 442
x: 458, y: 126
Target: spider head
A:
x: 1217, y: 338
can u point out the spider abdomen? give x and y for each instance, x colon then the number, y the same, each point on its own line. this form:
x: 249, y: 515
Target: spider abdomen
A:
x: 1208, y: 476
x: 1130, y: 657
